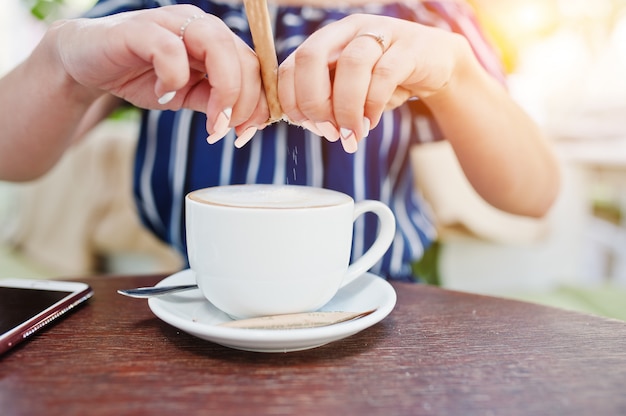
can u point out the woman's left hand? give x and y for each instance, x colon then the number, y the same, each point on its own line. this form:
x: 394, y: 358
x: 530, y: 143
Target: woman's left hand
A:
x: 342, y: 78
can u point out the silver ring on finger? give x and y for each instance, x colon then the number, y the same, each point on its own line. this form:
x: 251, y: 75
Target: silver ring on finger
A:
x: 185, y: 25
x: 380, y: 39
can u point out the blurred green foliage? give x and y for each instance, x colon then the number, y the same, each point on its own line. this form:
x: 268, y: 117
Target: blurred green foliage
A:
x: 50, y: 10
x: 44, y: 9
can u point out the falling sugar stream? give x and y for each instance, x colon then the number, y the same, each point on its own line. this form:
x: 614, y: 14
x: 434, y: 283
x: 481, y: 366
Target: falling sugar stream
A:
x: 294, y: 157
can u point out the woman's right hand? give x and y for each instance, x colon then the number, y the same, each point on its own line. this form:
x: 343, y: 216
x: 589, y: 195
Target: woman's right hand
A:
x: 140, y: 57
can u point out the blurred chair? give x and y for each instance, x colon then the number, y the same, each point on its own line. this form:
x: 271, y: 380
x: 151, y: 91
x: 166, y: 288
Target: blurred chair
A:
x: 482, y: 249
x: 79, y: 219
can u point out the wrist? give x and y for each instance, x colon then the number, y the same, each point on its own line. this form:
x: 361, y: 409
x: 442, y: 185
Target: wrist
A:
x: 49, y: 56
x: 464, y: 71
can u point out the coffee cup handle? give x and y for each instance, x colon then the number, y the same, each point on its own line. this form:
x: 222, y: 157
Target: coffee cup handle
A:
x: 386, y: 233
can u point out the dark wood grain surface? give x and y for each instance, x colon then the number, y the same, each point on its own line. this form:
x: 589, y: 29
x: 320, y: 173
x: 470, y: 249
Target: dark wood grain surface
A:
x: 438, y: 353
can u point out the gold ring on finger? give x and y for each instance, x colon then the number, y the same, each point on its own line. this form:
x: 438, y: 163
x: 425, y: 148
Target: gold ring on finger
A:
x: 380, y: 39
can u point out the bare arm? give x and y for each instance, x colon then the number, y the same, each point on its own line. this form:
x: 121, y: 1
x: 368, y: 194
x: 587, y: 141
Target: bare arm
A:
x: 41, y: 109
x: 502, y: 151
x: 70, y: 80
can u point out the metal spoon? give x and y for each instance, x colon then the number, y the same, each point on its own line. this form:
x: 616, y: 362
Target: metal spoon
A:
x: 147, y: 292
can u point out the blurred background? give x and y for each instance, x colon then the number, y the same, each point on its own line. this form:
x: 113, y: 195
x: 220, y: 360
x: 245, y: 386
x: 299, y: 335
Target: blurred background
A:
x: 565, y: 60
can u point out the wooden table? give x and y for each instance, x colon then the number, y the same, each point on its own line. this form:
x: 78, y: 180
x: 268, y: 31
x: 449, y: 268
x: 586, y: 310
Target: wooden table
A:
x: 439, y: 352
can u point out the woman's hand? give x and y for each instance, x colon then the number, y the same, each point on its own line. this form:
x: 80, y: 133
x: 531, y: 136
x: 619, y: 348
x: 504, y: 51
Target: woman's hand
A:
x: 140, y: 57
x: 341, y: 79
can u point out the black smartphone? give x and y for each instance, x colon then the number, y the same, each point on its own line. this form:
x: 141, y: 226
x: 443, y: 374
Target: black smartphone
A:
x: 26, y: 306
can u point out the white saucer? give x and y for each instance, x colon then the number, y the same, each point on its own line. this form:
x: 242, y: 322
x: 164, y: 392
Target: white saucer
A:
x: 192, y: 313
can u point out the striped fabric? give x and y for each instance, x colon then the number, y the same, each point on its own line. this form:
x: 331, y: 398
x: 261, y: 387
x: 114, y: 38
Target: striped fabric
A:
x: 173, y: 157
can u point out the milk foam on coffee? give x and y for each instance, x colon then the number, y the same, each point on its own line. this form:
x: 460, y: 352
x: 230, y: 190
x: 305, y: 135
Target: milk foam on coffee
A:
x: 270, y: 196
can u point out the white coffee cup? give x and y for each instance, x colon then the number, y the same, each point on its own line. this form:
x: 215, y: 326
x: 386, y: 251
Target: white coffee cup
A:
x: 273, y: 249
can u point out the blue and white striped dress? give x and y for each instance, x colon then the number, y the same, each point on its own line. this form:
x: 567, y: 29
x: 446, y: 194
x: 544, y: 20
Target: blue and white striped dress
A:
x: 174, y: 158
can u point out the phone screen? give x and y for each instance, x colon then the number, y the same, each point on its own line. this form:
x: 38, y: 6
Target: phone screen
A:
x: 18, y: 305
x: 28, y: 306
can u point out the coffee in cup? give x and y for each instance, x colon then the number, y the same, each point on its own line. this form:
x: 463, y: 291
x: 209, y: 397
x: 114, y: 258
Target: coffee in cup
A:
x: 261, y: 250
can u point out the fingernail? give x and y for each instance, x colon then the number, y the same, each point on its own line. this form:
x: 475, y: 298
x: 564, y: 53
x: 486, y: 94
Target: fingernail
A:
x: 221, y: 126
x: 348, y: 141
x: 245, y: 137
x: 309, y: 125
x: 167, y: 97
x: 217, y: 136
x: 345, y: 133
x: 366, y: 126
x: 223, y: 119
x: 328, y: 130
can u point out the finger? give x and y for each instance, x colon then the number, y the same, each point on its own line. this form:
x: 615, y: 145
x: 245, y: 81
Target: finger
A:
x: 399, y: 97
x: 313, y: 65
x: 221, y: 60
x: 384, y: 91
x: 250, y: 109
x: 232, y: 73
x: 158, y: 46
x: 258, y: 121
x: 351, y: 83
x: 251, y: 96
x: 246, y: 131
x: 261, y: 114
x: 170, y: 60
x: 287, y: 97
x: 198, y: 93
x: 286, y: 90
x: 225, y: 81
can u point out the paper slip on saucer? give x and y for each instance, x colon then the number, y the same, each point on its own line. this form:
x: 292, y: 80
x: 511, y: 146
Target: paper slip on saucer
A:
x: 192, y: 313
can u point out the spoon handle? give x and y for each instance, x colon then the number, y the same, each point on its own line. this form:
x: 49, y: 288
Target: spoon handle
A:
x: 147, y: 292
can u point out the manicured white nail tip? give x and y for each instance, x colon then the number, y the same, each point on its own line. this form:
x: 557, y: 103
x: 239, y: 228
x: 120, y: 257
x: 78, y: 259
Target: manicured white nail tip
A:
x: 349, y: 145
x: 245, y: 137
x: 167, y: 97
x: 366, y: 126
x: 309, y: 125
x: 221, y: 124
x: 345, y: 133
x: 217, y: 136
x: 328, y: 130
